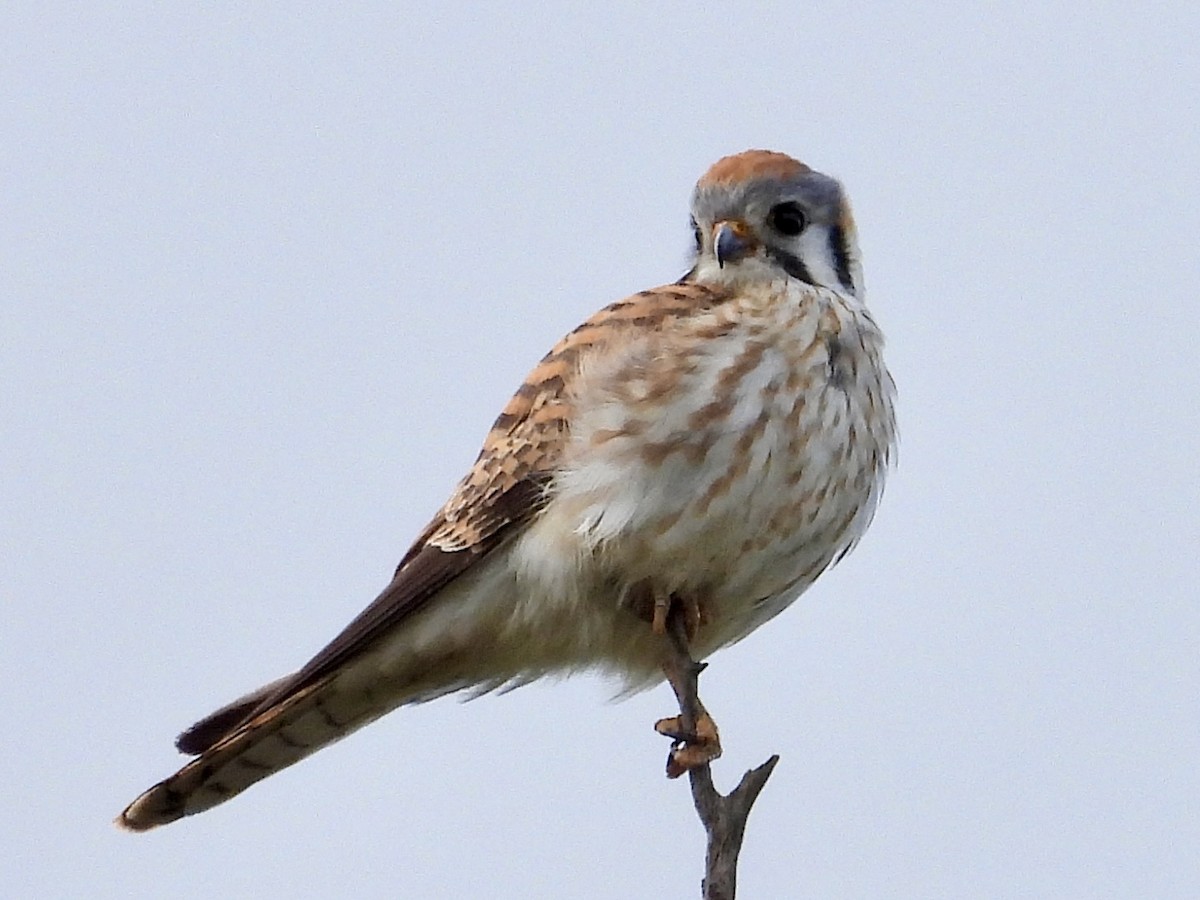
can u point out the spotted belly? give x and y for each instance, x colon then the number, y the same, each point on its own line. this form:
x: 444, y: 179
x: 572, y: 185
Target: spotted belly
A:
x: 735, y: 468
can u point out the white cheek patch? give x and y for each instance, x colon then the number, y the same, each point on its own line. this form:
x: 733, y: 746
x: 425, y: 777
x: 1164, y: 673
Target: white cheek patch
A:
x: 812, y: 247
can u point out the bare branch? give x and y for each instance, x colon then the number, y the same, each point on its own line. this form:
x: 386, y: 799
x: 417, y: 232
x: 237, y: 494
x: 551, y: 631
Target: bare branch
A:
x: 724, y: 819
x: 723, y: 816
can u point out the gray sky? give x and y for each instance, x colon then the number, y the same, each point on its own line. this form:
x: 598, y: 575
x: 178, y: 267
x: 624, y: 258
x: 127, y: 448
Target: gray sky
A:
x: 267, y: 277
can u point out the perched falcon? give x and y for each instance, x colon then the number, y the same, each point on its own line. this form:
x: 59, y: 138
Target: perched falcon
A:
x: 710, y: 446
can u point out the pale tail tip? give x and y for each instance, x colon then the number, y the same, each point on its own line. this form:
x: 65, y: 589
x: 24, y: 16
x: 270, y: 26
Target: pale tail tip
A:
x: 126, y: 824
x: 143, y: 814
x: 126, y: 821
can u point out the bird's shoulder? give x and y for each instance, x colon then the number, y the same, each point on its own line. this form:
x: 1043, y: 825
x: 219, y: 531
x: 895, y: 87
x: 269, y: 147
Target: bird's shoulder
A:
x: 509, y: 480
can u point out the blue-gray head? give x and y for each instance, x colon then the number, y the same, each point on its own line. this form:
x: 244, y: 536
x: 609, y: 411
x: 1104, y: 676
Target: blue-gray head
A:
x: 763, y: 215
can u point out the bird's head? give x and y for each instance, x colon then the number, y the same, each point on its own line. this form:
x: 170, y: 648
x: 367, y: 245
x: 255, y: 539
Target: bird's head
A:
x: 761, y: 215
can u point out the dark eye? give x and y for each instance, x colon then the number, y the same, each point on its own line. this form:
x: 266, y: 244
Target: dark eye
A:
x: 787, y: 219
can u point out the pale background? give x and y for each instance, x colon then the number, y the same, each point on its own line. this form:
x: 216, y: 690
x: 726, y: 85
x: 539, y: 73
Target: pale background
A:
x: 268, y: 275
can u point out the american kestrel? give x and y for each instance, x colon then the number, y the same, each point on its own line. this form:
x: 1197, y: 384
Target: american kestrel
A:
x: 710, y: 446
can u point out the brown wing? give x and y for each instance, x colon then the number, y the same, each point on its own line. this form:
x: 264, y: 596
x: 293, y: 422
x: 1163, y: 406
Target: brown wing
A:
x: 508, y: 484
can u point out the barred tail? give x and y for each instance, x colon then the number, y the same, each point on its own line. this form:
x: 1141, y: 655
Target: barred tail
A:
x: 283, y: 734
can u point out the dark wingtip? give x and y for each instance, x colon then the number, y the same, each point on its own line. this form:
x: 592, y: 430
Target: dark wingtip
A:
x: 199, y: 737
x: 205, y: 733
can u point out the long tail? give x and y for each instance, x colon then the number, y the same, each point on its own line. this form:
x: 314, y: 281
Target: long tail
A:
x: 274, y: 739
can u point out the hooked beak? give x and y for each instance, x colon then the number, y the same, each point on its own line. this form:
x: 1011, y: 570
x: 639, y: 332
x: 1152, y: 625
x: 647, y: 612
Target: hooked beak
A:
x: 732, y: 240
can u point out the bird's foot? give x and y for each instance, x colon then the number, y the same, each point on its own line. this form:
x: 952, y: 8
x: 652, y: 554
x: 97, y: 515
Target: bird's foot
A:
x: 691, y: 748
x: 695, y: 741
